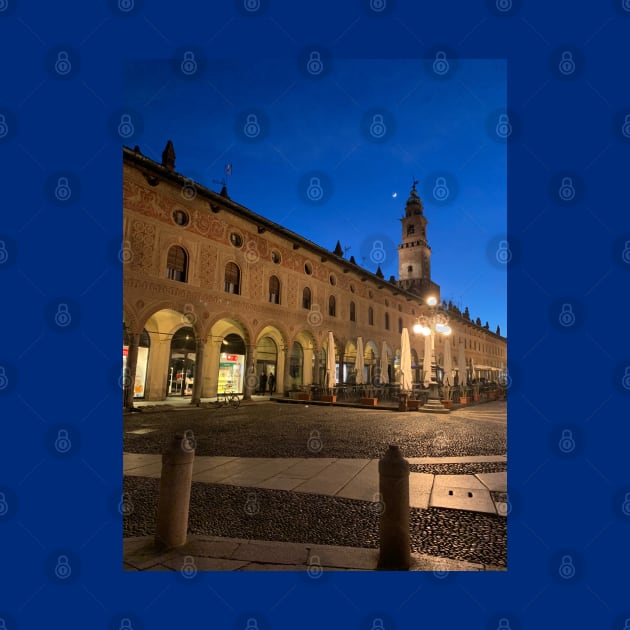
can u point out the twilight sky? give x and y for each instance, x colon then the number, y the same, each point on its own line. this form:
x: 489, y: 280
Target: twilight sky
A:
x: 331, y: 154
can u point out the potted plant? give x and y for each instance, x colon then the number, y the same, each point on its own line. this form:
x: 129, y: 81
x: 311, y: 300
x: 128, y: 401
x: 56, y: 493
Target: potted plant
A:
x: 464, y: 395
x: 475, y: 390
x: 447, y: 396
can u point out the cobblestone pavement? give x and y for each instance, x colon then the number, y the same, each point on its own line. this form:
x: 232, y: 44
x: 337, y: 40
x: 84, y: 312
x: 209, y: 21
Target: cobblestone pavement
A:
x: 272, y: 429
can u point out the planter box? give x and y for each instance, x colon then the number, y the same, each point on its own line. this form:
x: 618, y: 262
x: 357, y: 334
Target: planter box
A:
x: 464, y: 400
x: 412, y: 405
x: 330, y: 399
x: 447, y: 403
x: 369, y: 401
x: 303, y: 396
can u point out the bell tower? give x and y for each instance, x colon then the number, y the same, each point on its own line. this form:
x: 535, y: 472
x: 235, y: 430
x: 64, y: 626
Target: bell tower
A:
x: 414, y: 253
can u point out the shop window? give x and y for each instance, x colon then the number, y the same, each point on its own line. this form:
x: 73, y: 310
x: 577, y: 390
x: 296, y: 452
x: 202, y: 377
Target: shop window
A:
x: 177, y: 264
x: 274, y: 290
x: 232, y: 278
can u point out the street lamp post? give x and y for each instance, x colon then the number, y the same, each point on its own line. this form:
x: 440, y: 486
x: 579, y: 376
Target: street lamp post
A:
x: 436, y: 323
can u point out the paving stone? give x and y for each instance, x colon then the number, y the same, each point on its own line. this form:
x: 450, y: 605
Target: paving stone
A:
x: 458, y: 498
x: 276, y: 553
x: 145, y: 555
x: 343, y: 557
x: 205, y: 564
x: 470, y: 482
x: 201, y: 548
x: 334, y: 477
x: 420, y: 485
x: 495, y: 482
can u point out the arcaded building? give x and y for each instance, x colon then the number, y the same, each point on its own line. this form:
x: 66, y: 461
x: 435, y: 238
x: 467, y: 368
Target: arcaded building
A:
x: 216, y: 295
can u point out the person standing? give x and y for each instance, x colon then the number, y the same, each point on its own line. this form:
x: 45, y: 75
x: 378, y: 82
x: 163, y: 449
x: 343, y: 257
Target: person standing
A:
x: 263, y: 383
x: 272, y: 383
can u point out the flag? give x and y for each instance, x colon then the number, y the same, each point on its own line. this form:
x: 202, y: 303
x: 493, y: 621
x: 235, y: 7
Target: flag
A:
x: 228, y: 169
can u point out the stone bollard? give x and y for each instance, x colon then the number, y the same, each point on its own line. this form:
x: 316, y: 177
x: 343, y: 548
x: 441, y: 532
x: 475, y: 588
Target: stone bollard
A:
x: 175, y: 483
x: 395, y: 542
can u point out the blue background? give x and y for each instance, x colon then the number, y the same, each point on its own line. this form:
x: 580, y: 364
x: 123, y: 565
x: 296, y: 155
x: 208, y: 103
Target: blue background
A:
x: 564, y: 502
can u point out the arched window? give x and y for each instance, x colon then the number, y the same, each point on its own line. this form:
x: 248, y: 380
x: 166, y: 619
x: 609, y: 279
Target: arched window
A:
x: 386, y: 321
x: 332, y: 306
x: 232, y: 278
x: 274, y: 290
x: 371, y: 316
x: 353, y: 312
x: 306, y: 298
x: 177, y: 264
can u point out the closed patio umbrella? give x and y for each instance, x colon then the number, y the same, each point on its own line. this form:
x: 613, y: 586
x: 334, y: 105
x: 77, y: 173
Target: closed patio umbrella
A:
x: 461, y: 364
x: 359, y: 362
x: 383, y: 365
x: 448, y: 362
x: 331, y: 365
x: 426, y: 363
x: 405, y: 362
